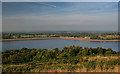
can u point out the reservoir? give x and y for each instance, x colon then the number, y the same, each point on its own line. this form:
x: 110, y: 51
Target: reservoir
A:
x: 56, y: 43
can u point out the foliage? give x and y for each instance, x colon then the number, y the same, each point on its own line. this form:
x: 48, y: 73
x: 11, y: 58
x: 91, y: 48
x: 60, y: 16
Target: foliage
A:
x: 68, y: 58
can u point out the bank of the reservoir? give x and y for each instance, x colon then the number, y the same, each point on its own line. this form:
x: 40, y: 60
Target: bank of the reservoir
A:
x: 71, y: 38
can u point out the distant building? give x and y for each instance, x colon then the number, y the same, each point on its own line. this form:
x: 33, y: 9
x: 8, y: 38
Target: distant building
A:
x: 87, y: 37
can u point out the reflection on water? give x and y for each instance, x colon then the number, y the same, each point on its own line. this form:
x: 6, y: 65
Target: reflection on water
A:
x: 57, y: 43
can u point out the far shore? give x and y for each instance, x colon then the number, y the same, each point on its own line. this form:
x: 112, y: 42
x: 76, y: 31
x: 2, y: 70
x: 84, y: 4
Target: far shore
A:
x: 29, y: 39
x: 70, y: 38
x: 85, y: 39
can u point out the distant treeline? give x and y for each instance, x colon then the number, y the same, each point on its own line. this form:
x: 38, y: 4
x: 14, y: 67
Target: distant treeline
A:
x: 92, y: 35
x: 69, y: 58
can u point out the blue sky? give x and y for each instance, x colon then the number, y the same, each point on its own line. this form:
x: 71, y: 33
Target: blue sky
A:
x: 60, y: 0
x: 60, y: 16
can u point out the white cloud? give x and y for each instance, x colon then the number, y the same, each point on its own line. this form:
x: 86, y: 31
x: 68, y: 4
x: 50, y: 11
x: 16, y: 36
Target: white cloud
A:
x: 67, y: 22
x: 76, y: 19
x: 48, y: 4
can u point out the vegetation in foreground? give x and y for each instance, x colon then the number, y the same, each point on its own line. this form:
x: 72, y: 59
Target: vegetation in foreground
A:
x: 69, y: 59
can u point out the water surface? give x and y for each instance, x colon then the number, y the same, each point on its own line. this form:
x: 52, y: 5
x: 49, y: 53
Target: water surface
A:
x: 56, y: 43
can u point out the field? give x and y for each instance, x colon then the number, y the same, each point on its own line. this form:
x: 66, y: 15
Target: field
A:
x: 91, y: 64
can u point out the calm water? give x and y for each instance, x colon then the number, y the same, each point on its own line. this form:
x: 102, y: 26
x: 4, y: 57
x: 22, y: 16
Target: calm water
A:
x: 56, y: 43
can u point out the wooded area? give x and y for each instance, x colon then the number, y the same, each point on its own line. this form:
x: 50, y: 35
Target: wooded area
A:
x: 68, y: 59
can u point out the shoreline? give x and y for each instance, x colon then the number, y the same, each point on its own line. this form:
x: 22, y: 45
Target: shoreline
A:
x: 29, y: 39
x: 84, y: 39
x: 70, y: 38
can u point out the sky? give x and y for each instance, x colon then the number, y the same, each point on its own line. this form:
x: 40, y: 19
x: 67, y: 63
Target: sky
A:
x: 60, y: 0
x: 59, y: 16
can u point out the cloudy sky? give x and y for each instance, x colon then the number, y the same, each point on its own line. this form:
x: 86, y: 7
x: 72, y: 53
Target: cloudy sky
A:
x: 60, y: 16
